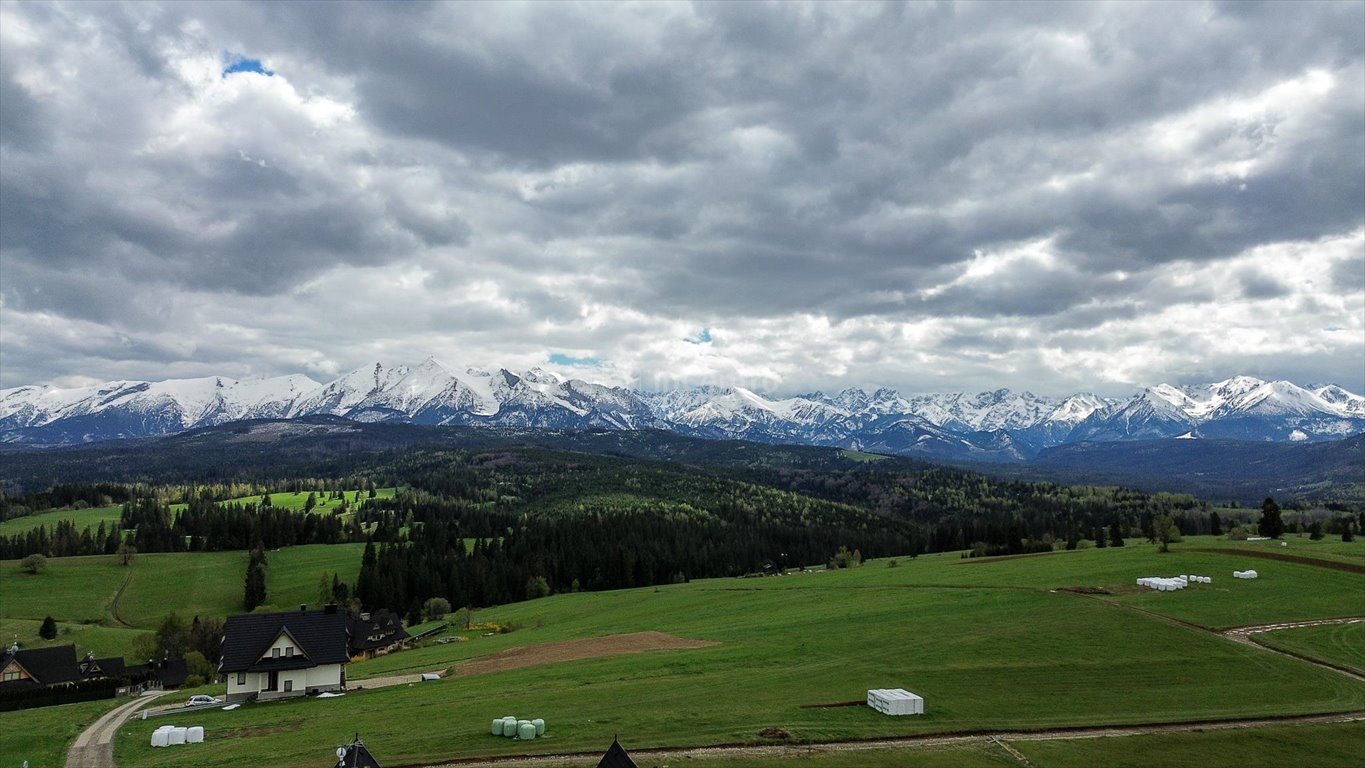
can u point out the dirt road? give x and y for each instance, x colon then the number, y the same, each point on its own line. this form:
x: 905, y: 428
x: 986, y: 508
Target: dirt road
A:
x: 94, y: 748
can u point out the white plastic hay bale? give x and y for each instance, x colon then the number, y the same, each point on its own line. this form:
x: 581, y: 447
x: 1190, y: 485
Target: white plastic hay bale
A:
x: 526, y: 731
x: 540, y: 726
x: 161, y: 738
x: 177, y: 736
x: 426, y: 676
x: 1251, y: 574
x: 195, y: 735
x: 509, y: 728
x: 496, y: 728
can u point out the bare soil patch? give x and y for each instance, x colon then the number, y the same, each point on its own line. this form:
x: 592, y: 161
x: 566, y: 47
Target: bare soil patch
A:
x: 575, y: 650
x: 1284, y: 558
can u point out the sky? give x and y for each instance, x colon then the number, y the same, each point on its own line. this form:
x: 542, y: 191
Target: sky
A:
x: 787, y: 197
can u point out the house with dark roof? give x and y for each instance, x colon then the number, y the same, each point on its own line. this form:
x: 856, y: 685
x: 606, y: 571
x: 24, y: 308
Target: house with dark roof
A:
x: 38, y: 667
x: 53, y: 667
x: 375, y: 634
x: 278, y: 655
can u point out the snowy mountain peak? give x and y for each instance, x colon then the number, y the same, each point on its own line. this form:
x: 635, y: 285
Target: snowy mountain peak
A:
x: 1001, y: 423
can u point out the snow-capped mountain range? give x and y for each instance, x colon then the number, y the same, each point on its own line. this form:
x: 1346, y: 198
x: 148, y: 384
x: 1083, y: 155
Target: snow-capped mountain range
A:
x: 999, y: 425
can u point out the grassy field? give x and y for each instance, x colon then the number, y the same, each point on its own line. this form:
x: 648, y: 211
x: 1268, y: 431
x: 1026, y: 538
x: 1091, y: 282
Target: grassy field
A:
x: 991, y: 645
x: 42, y: 736
x: 82, y: 518
x: 79, y: 591
x: 1320, y: 746
x: 100, y: 640
x: 1339, y: 644
x: 298, y: 501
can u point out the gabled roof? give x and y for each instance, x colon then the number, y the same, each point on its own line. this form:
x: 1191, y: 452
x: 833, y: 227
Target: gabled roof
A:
x: 320, y: 635
x: 616, y: 757
x: 357, y: 756
x: 47, y: 666
x: 379, y: 630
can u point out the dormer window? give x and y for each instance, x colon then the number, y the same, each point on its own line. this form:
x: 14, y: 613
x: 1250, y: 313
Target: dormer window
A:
x: 289, y: 651
x: 274, y: 653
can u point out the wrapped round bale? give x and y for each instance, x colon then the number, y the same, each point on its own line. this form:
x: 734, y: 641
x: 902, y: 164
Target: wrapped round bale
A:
x: 540, y: 726
x: 496, y: 727
x: 509, y: 728
x: 177, y: 735
x: 526, y: 731
x: 195, y: 735
x: 161, y: 738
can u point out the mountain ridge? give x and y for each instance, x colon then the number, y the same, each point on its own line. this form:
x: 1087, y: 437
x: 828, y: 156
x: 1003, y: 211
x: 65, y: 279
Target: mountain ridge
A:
x: 999, y: 425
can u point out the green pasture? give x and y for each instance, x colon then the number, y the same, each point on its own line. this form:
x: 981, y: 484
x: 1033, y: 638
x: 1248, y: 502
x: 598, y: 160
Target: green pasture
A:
x: 101, y: 640
x: 989, y: 645
x: 1327, y: 548
x: 42, y: 736
x: 1337, y: 745
x: 297, y: 501
x: 82, y: 589
x: 81, y: 518
x: 1339, y: 644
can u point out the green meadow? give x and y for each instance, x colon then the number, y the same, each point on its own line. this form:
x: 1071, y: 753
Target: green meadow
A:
x: 1339, y: 644
x: 82, y: 518
x: 42, y: 735
x: 298, y: 501
x: 79, y: 591
x: 997, y: 644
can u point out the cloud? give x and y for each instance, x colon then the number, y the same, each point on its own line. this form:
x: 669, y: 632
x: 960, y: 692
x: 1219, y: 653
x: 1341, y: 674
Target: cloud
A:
x: 922, y: 196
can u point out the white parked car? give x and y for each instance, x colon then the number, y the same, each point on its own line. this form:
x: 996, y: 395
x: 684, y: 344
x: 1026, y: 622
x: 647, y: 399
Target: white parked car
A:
x: 200, y: 700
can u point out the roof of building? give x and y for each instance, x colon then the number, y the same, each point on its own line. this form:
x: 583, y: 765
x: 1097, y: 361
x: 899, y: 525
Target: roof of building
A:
x: 375, y: 630
x: 357, y: 756
x: 616, y: 757
x: 113, y: 666
x: 46, y: 666
x: 320, y: 635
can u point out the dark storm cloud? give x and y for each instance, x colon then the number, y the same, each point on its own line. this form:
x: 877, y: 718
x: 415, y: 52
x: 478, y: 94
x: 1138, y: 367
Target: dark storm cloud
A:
x: 536, y: 167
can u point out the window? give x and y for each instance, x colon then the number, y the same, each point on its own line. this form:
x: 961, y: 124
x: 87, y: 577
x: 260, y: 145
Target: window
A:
x: 289, y: 685
x: 8, y: 676
x: 274, y: 653
x: 241, y: 678
x: 289, y: 651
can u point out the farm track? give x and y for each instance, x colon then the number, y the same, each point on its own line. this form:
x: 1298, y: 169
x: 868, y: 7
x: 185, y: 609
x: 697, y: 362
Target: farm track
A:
x: 118, y: 595
x: 1244, y: 635
x: 1000, y: 738
x: 94, y: 748
x: 1284, y: 558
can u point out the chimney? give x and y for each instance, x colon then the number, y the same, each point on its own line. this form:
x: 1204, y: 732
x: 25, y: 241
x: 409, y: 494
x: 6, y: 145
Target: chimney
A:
x: 330, y: 608
x: 303, y: 607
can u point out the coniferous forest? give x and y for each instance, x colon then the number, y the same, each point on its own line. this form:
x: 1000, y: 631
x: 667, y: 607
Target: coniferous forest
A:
x: 483, y: 525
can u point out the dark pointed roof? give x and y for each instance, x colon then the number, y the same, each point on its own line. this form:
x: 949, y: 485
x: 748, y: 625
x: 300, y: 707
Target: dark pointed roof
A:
x: 47, y: 666
x: 320, y: 635
x: 357, y: 756
x: 375, y: 630
x: 616, y: 757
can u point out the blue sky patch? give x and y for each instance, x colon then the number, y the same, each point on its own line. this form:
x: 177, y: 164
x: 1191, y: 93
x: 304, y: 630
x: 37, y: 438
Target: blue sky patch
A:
x: 559, y: 358
x: 702, y: 338
x: 236, y: 62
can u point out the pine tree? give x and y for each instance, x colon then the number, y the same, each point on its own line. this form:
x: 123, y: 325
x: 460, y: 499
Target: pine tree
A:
x: 254, y: 588
x: 1215, y: 524
x: 1271, y: 525
x: 49, y: 629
